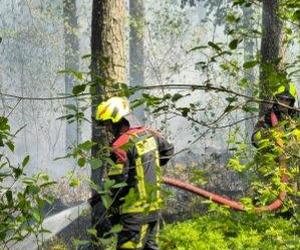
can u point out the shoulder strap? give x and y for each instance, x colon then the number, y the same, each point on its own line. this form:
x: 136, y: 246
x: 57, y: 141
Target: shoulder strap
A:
x: 124, y: 138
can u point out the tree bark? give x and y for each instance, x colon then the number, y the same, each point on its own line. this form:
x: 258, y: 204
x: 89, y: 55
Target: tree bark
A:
x: 272, y: 49
x: 136, y: 50
x: 71, y: 62
x: 107, y: 42
x: 107, y: 67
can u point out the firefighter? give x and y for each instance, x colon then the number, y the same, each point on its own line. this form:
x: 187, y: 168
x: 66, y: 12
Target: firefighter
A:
x: 286, y: 95
x: 278, y: 127
x: 138, y: 154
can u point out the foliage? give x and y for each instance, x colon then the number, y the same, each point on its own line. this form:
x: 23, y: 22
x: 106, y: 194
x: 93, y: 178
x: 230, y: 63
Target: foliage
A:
x: 231, y: 231
x: 22, y: 197
x: 277, y: 149
x: 224, y: 72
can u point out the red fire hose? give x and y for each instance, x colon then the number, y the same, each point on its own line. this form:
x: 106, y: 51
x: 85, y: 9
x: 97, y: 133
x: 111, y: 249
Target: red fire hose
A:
x: 222, y: 200
x: 232, y: 203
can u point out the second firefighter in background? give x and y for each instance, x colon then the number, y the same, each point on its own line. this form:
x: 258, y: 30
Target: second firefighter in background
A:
x: 277, y: 133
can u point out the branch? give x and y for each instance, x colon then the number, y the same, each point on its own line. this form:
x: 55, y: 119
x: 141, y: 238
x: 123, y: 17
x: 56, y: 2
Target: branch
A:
x: 209, y: 87
x: 42, y: 98
x: 205, y: 87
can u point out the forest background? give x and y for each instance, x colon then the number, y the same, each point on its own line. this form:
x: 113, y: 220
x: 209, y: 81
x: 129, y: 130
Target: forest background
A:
x: 199, y: 71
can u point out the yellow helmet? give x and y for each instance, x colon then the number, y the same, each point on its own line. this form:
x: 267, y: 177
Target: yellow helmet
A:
x: 114, y: 109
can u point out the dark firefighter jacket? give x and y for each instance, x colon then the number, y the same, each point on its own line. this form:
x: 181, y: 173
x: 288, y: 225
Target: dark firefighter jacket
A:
x: 265, y: 122
x: 138, y: 155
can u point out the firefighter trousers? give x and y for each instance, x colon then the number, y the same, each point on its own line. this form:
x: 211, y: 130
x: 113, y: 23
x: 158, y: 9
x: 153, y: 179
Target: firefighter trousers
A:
x: 138, y: 236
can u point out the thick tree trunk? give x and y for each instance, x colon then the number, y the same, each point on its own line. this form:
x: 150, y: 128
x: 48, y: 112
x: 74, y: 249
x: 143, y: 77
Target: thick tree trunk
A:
x: 71, y: 62
x: 136, y: 50
x: 107, y: 43
x: 108, y: 67
x: 272, y: 50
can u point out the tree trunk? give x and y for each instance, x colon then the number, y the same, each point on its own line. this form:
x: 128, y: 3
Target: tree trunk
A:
x: 136, y: 50
x: 272, y: 50
x: 71, y: 62
x: 108, y: 67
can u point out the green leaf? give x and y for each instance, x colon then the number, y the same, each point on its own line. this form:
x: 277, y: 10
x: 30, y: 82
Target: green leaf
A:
x: 74, y: 182
x: 47, y: 184
x: 95, y: 187
x: 108, y: 184
x: 87, y: 145
x: 33, y: 189
x: 86, y: 56
x: 106, y: 200
x: 201, y: 65
x: 77, y: 74
x: 184, y: 111
x: 44, y: 176
x: 234, y: 43
x: 95, y: 163
x: 250, y: 64
x: 43, y: 230
x: 4, y: 174
x: 17, y: 172
x: 197, y: 48
x: 25, y: 161
x: 296, y: 15
x: 37, y: 215
x: 81, y: 162
x: 164, y: 107
x: 120, y: 185
x: 80, y: 242
x: 236, y: 165
x: 238, y: 2
x: 28, y: 181
x: 92, y: 231
x: 11, y: 146
x: 78, y: 89
x: 214, y: 46
x: 166, y: 96
x: 67, y: 117
x: 4, y: 124
x: 176, y: 97
x: 231, y: 99
x: 230, y: 18
x: 9, y: 198
x: 229, y: 108
x: 116, y: 228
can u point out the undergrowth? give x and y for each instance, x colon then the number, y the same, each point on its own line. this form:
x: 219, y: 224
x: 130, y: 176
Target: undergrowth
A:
x: 232, y: 231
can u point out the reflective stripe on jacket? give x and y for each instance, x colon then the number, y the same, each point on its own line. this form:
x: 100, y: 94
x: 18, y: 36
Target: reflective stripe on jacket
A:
x: 137, y: 155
